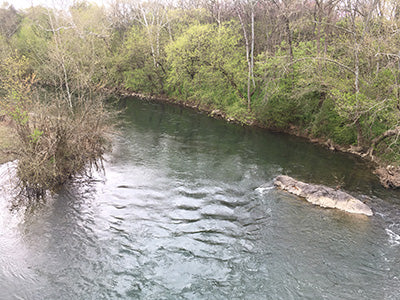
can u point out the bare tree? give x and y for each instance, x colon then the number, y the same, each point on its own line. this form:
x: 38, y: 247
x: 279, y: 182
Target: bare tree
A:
x: 246, y: 13
x: 322, y: 17
x: 153, y: 16
x: 358, y: 12
x: 120, y: 15
x: 9, y: 20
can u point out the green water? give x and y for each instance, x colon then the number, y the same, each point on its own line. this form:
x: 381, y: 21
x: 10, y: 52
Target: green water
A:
x: 179, y: 214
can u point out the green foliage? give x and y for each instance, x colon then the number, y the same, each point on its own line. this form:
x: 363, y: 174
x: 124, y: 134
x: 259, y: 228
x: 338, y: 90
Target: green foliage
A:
x: 207, y: 64
x: 238, y: 111
x: 342, y: 81
x: 140, y: 70
x: 31, y: 40
x: 15, y: 90
x: 35, y: 135
x: 329, y: 124
x: 55, y: 140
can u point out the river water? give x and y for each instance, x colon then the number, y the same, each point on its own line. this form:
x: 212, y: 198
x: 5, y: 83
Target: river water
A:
x: 178, y: 214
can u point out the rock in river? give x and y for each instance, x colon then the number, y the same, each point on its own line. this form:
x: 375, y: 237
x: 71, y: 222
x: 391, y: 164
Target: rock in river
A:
x: 322, y: 195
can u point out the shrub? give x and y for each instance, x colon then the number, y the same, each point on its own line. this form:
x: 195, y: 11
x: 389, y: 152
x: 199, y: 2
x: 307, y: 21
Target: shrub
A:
x: 56, y: 144
x: 329, y: 124
x: 55, y: 140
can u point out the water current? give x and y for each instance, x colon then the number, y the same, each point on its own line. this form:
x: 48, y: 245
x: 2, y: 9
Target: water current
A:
x: 178, y: 214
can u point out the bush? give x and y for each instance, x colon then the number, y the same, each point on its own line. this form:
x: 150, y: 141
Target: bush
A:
x: 329, y: 124
x: 55, y: 140
x: 279, y: 112
x: 56, y: 144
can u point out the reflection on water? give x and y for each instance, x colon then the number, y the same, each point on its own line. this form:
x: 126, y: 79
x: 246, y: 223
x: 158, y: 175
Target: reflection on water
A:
x: 186, y: 210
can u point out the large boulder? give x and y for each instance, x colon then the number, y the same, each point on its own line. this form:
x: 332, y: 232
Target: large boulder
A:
x: 322, y: 195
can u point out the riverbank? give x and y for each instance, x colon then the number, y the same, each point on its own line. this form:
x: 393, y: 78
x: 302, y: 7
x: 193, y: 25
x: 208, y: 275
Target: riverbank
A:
x: 388, y: 174
x: 7, y: 142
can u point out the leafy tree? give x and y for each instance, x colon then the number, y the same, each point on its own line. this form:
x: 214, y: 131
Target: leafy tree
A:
x: 137, y: 65
x: 207, y: 63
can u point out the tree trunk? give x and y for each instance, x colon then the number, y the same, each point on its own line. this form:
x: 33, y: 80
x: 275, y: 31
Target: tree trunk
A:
x: 357, y: 70
x: 289, y: 38
x: 252, y: 45
x: 360, y: 140
x: 246, y: 39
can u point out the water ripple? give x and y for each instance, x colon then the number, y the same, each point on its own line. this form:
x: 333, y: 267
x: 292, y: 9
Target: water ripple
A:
x: 394, y: 239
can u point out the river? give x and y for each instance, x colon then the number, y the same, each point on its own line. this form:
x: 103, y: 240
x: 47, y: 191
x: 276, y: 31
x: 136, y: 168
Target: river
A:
x: 178, y: 214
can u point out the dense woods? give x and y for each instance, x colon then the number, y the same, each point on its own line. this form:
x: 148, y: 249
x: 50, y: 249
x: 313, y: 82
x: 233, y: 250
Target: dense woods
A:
x: 328, y: 68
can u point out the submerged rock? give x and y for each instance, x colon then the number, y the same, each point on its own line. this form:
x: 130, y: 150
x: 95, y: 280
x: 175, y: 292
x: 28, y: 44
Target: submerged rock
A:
x: 323, y: 196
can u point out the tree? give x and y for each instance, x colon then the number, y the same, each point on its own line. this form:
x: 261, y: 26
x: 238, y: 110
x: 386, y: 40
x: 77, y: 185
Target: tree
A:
x: 205, y: 62
x: 9, y: 20
x: 65, y: 128
x: 242, y: 8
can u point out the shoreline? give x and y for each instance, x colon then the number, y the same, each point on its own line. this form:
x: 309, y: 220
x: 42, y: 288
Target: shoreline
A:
x: 388, y: 174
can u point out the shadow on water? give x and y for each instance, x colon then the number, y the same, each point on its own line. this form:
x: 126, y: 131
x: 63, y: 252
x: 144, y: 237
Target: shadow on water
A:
x: 179, y: 215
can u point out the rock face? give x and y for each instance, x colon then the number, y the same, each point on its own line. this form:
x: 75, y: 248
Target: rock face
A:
x: 323, y: 196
